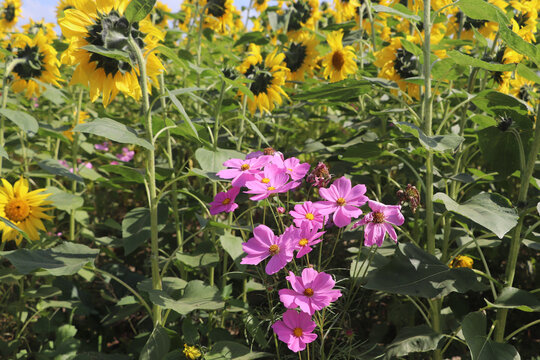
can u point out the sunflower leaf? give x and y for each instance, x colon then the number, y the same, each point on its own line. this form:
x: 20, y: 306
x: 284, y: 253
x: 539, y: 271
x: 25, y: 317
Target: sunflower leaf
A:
x: 113, y: 130
x: 463, y: 59
x: 3, y: 152
x: 25, y: 121
x: 13, y: 226
x: 110, y: 53
x: 402, y: 12
x: 138, y: 9
x: 182, y: 111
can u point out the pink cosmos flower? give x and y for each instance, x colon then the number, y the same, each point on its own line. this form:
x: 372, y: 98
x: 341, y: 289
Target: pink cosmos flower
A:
x: 307, y: 237
x: 311, y: 292
x: 342, y: 201
x: 280, y: 210
x: 265, y: 244
x: 273, y: 180
x: 295, y: 329
x: 224, y: 201
x: 126, y: 155
x: 292, y: 166
x: 320, y: 176
x: 379, y: 222
x: 102, y: 147
x: 242, y: 171
x: 306, y: 212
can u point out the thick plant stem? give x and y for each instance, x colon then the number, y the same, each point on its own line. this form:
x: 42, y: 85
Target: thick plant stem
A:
x: 516, y: 237
x: 151, y: 178
x: 74, y: 155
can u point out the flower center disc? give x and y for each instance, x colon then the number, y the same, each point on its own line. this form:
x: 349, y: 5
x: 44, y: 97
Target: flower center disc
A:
x: 9, y: 13
x: 310, y: 216
x: 244, y: 167
x: 226, y: 201
x: 17, y: 210
x: 265, y: 180
x: 341, y: 201
x: 308, y: 292
x: 297, y: 332
x: 378, y: 217
x: 274, y: 249
x: 303, y: 242
x: 294, y: 58
x: 338, y: 60
x: 270, y: 188
x: 32, y: 66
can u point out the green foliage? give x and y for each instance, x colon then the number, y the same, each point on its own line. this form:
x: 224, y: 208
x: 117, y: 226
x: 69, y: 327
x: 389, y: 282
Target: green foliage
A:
x: 112, y: 130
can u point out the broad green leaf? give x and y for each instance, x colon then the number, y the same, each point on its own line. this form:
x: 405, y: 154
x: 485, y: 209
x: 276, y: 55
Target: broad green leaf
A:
x: 412, y: 271
x: 447, y: 69
x: 65, y: 343
x: 63, y: 200
x: 168, y: 52
x: 482, y: 10
x: 136, y: 226
x: 127, y: 174
x: 24, y: 121
x: 65, y: 259
x: 157, y: 345
x: 463, y: 59
x: 54, y: 167
x: 492, y: 211
x: 344, y: 90
x: 113, y: 130
x: 43, y: 292
x: 400, y: 11
x: 170, y: 285
x: 503, y: 105
x: 3, y: 153
x: 516, y: 42
x: 474, y: 331
x: 512, y: 298
x: 138, y: 9
x: 225, y: 350
x: 255, y: 37
x: 443, y: 143
x: 500, y: 150
x: 361, y: 152
x: 413, y: 339
x: 116, y: 54
x: 100, y: 356
x: 51, y: 93
x: 257, y: 131
x: 232, y: 245
x: 197, y: 296
x: 212, y: 161
x: 198, y: 260
x: 527, y: 73
x: 182, y: 111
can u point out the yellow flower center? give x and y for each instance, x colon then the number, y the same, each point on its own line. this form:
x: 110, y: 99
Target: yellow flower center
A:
x: 17, y: 210
x: 270, y: 188
x: 308, y: 292
x: 310, y: 216
x: 289, y: 169
x: 265, y: 180
x: 378, y: 217
x: 274, y: 249
x: 244, y: 167
x: 297, y: 332
x: 462, y: 261
x: 338, y: 60
x: 303, y: 242
x: 226, y: 201
x: 340, y: 201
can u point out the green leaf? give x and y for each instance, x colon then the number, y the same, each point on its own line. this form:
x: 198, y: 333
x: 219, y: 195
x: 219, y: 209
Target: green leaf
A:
x: 443, y: 143
x: 514, y: 41
x: 490, y: 210
x: 138, y: 9
x: 474, y: 330
x: 170, y: 285
x: 63, y: 200
x: 255, y: 37
x: 116, y: 54
x: 500, y: 150
x: 482, y: 10
x: 361, y: 152
x: 54, y: 167
x: 136, y: 226
x: 13, y: 226
x: 26, y: 122
x: 198, y: 260
x: 212, y: 161
x: 197, y: 296
x: 512, y: 298
x: 100, y: 356
x: 463, y: 59
x: 3, y: 153
x: 113, y: 130
x: 499, y: 105
x: 527, y: 73
x: 225, y: 350
x: 180, y: 108
x: 157, y: 345
x: 127, y: 174
x: 168, y: 52
x: 412, y: 271
x: 400, y: 11
x: 413, y: 339
x: 344, y: 90
x: 65, y: 259
x: 232, y: 245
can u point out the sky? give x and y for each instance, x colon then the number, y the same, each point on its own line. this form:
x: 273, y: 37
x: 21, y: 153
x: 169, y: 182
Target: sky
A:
x: 46, y: 9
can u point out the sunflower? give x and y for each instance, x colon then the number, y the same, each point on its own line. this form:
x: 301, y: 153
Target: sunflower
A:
x: 33, y: 27
x: 462, y: 25
x: 252, y: 59
x: 345, y: 9
x: 301, y: 57
x: 267, y: 80
x: 397, y: 64
x: 158, y: 15
x: 219, y: 16
x: 83, y: 115
x: 260, y: 5
x: 9, y: 14
x: 502, y: 78
x: 186, y: 11
x: 24, y: 209
x: 303, y: 14
x: 522, y: 89
x: 102, y: 24
x: 340, y: 61
x: 524, y: 20
x: 39, y: 62
x: 64, y: 5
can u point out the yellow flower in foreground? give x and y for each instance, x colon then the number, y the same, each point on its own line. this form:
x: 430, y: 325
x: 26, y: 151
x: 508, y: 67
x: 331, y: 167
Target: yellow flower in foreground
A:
x: 24, y: 209
x: 191, y: 352
x: 40, y: 63
x: 102, y: 24
x: 10, y: 10
x: 461, y: 261
x: 82, y: 116
x: 339, y: 63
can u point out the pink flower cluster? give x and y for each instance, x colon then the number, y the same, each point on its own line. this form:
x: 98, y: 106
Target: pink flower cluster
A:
x: 86, y: 164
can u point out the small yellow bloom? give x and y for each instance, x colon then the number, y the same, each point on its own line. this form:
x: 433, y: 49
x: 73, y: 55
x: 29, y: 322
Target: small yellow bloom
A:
x: 69, y: 133
x: 191, y: 352
x: 461, y: 261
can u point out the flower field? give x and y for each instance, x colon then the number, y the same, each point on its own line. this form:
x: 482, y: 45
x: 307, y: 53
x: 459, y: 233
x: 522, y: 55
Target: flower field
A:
x: 285, y: 180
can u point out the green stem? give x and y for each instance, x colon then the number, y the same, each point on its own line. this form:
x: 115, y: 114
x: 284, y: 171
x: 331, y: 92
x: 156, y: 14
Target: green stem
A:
x: 74, y: 155
x: 242, y: 124
x: 151, y: 176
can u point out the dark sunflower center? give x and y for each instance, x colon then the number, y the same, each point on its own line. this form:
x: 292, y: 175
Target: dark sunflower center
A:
x: 521, y: 19
x: 300, y: 13
x: 216, y: 8
x: 261, y: 82
x: 504, y: 123
x: 469, y: 23
x: 406, y: 64
x: 34, y: 29
x: 260, y: 2
x: 524, y: 94
x: 9, y: 13
x: 157, y: 16
x: 338, y: 60
x: 111, y: 31
x: 498, y: 77
x: 294, y: 58
x: 32, y: 67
